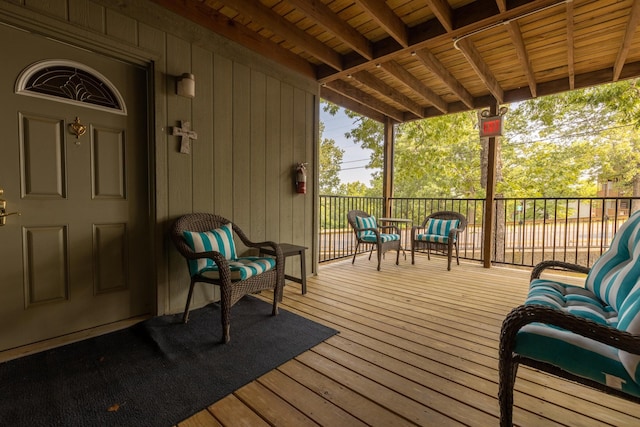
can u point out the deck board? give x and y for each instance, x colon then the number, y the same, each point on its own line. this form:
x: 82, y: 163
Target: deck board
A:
x: 418, y: 345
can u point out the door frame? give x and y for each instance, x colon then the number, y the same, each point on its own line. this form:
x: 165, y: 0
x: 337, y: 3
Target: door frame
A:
x: 24, y: 20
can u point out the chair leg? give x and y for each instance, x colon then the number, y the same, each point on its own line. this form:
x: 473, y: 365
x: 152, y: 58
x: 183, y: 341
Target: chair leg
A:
x: 398, y: 256
x: 413, y: 253
x: 185, y: 316
x: 225, y: 313
x: 379, y: 254
x: 508, y: 369
x: 371, y: 252
x: 457, y: 257
x: 449, y: 257
x: 355, y: 252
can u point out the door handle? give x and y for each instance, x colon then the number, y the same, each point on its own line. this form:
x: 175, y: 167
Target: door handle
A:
x: 3, y: 211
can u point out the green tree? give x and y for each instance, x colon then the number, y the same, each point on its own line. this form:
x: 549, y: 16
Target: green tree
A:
x: 330, y: 159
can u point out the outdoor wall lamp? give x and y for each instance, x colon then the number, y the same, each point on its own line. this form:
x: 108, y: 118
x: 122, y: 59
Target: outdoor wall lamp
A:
x: 186, y: 85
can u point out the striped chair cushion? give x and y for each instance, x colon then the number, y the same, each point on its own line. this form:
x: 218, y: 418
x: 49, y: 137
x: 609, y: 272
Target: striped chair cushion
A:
x: 617, y: 271
x: 437, y: 230
x: 218, y: 240
x: 366, y: 222
x: 629, y: 321
x: 440, y: 227
x: 383, y: 237
x: 241, y: 268
x: 434, y: 238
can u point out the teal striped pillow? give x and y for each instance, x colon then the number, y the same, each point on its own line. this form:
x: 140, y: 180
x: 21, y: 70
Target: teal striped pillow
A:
x: 366, y: 222
x: 441, y: 227
x: 218, y: 240
x: 616, y: 272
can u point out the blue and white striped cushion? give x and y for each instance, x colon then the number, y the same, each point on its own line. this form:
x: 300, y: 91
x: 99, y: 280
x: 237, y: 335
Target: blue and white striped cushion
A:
x: 617, y: 271
x: 572, y: 299
x: 242, y: 268
x: 218, y: 240
x: 383, y: 237
x: 440, y: 227
x: 366, y: 222
x: 434, y: 238
x: 630, y: 322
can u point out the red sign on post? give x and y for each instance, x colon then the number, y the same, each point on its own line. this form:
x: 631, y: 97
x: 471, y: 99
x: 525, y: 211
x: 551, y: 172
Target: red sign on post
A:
x: 490, y: 126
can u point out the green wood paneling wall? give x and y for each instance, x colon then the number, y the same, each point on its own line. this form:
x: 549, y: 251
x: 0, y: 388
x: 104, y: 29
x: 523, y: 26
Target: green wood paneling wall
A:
x: 255, y: 121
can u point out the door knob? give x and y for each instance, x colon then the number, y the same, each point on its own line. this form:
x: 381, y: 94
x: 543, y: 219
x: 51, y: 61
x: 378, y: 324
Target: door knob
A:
x: 3, y: 210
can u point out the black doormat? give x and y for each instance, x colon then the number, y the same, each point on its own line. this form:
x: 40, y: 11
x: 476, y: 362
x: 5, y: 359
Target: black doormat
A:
x: 155, y: 373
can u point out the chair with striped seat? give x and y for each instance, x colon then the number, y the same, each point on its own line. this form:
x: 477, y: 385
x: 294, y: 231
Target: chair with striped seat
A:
x: 207, y: 242
x: 439, y: 231
x: 368, y: 232
x: 589, y: 334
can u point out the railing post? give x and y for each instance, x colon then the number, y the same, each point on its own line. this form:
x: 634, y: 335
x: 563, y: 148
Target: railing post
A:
x: 387, y: 169
x: 492, y: 160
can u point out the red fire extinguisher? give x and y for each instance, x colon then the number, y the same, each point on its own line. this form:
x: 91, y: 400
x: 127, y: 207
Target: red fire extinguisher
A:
x: 301, y: 178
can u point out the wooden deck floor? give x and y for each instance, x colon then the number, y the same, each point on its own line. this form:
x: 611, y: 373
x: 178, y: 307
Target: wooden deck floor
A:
x: 418, y: 345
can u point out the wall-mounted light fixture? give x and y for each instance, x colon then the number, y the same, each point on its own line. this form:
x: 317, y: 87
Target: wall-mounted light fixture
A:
x: 186, y: 85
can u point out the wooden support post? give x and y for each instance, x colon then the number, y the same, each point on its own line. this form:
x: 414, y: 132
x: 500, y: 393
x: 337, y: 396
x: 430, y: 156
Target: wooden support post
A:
x: 387, y: 171
x: 489, y: 213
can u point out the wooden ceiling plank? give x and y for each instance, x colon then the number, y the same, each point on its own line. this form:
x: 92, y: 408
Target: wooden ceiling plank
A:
x: 332, y: 96
x: 266, y: 17
x: 571, y: 60
x: 440, y: 71
x: 521, y: 50
x: 408, y: 79
x: 206, y: 17
x: 443, y: 12
x: 387, y: 19
x: 368, y: 79
x: 326, y: 18
x: 364, y: 98
x: 480, y: 67
x: 634, y: 19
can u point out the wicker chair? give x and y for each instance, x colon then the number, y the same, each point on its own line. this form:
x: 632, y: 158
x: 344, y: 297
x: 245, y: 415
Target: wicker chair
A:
x: 220, y: 266
x: 588, y: 334
x: 439, y: 231
x: 369, y: 233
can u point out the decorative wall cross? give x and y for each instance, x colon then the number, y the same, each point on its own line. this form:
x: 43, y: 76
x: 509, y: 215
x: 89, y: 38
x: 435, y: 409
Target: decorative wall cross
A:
x: 185, y: 133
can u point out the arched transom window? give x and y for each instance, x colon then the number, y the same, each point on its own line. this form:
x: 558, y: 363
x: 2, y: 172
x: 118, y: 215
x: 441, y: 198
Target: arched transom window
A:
x: 70, y: 82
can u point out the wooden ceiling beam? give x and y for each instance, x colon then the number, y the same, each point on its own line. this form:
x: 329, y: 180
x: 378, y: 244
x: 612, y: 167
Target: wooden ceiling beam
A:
x: 409, y: 80
x: 370, y: 101
x: 467, y: 19
x: 571, y: 61
x: 210, y: 19
x: 443, y: 12
x: 387, y: 19
x: 480, y: 67
x: 330, y: 21
x: 262, y: 15
x: 521, y: 51
x: 441, y: 72
x: 357, y: 107
x: 632, y: 24
x: 368, y: 79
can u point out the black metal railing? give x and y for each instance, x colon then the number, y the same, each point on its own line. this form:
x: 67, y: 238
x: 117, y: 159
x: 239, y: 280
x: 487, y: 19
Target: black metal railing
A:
x: 526, y: 230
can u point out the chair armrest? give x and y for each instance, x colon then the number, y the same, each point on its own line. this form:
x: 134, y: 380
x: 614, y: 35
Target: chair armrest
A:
x: 525, y: 314
x: 453, y: 233
x: 539, y: 268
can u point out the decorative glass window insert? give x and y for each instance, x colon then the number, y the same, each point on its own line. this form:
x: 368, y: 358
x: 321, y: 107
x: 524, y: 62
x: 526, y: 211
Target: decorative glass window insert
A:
x: 70, y: 82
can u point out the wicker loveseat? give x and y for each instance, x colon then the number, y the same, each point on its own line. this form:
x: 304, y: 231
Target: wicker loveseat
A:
x: 588, y: 334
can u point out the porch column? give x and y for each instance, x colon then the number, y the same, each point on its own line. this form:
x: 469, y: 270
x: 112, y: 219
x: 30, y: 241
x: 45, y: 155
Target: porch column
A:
x: 387, y: 168
x: 489, y: 213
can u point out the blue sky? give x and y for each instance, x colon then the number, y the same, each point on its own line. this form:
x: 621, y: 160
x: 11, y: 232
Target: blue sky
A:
x: 355, y: 158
